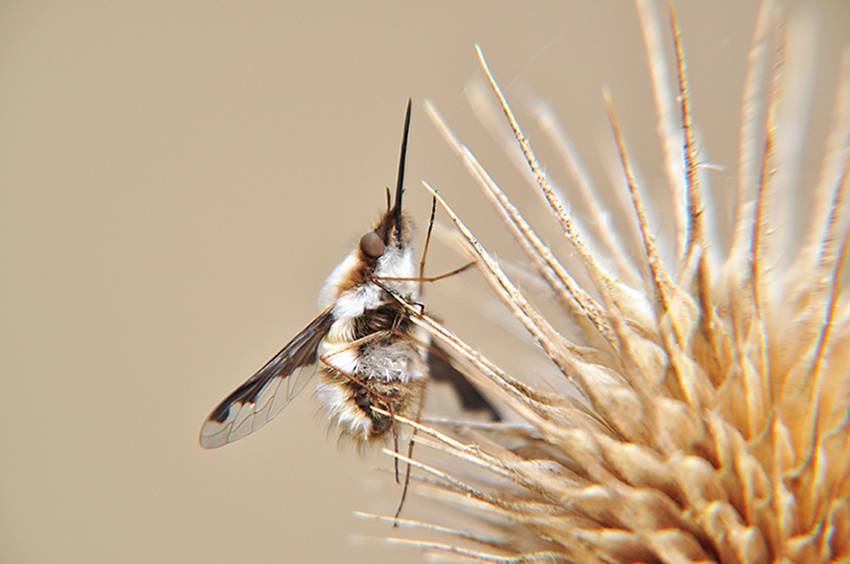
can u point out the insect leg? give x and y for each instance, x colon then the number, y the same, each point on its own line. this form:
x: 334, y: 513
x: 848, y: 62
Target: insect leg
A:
x: 410, y: 455
x: 324, y: 360
x: 378, y: 279
x: 428, y: 237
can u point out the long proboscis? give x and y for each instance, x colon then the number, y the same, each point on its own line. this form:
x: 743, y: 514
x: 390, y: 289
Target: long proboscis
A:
x: 399, y: 187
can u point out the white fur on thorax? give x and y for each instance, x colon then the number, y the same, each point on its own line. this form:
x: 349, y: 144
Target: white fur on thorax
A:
x: 394, y: 263
x: 399, y: 361
x: 354, y: 302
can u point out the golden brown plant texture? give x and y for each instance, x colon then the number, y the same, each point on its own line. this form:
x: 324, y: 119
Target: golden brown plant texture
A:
x: 710, y: 419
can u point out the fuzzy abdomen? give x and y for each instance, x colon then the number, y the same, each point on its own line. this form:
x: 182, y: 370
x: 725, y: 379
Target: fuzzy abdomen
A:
x: 388, y: 373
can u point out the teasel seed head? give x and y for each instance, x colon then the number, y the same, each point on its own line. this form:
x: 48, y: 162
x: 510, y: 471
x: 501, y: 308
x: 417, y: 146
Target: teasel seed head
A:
x: 710, y: 419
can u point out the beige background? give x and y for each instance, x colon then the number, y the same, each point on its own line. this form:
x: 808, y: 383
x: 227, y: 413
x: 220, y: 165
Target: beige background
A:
x: 177, y: 179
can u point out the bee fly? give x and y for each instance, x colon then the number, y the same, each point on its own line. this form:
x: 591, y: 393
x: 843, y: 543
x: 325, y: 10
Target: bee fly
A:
x: 364, y: 345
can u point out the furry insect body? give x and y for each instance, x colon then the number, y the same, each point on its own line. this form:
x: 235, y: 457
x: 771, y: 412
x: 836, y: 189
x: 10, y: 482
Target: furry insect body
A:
x: 373, y: 354
x: 364, y: 344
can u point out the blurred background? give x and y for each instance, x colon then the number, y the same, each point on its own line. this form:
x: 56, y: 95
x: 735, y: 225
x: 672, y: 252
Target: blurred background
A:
x: 177, y: 180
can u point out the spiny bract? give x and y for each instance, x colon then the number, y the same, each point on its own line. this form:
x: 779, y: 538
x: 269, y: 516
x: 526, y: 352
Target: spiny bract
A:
x: 711, y: 416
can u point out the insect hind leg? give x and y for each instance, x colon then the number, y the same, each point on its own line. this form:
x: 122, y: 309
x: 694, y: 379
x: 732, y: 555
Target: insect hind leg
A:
x: 409, y: 457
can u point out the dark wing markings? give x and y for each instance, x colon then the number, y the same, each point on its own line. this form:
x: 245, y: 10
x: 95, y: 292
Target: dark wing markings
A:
x: 442, y: 370
x: 266, y: 393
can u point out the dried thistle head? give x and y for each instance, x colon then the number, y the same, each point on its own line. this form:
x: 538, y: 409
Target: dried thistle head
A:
x: 710, y: 419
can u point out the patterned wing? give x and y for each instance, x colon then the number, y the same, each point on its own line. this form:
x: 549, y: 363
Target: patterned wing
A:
x: 266, y: 393
x: 442, y: 370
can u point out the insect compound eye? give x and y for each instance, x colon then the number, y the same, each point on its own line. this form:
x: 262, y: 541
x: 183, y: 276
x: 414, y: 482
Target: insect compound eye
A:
x: 372, y: 245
